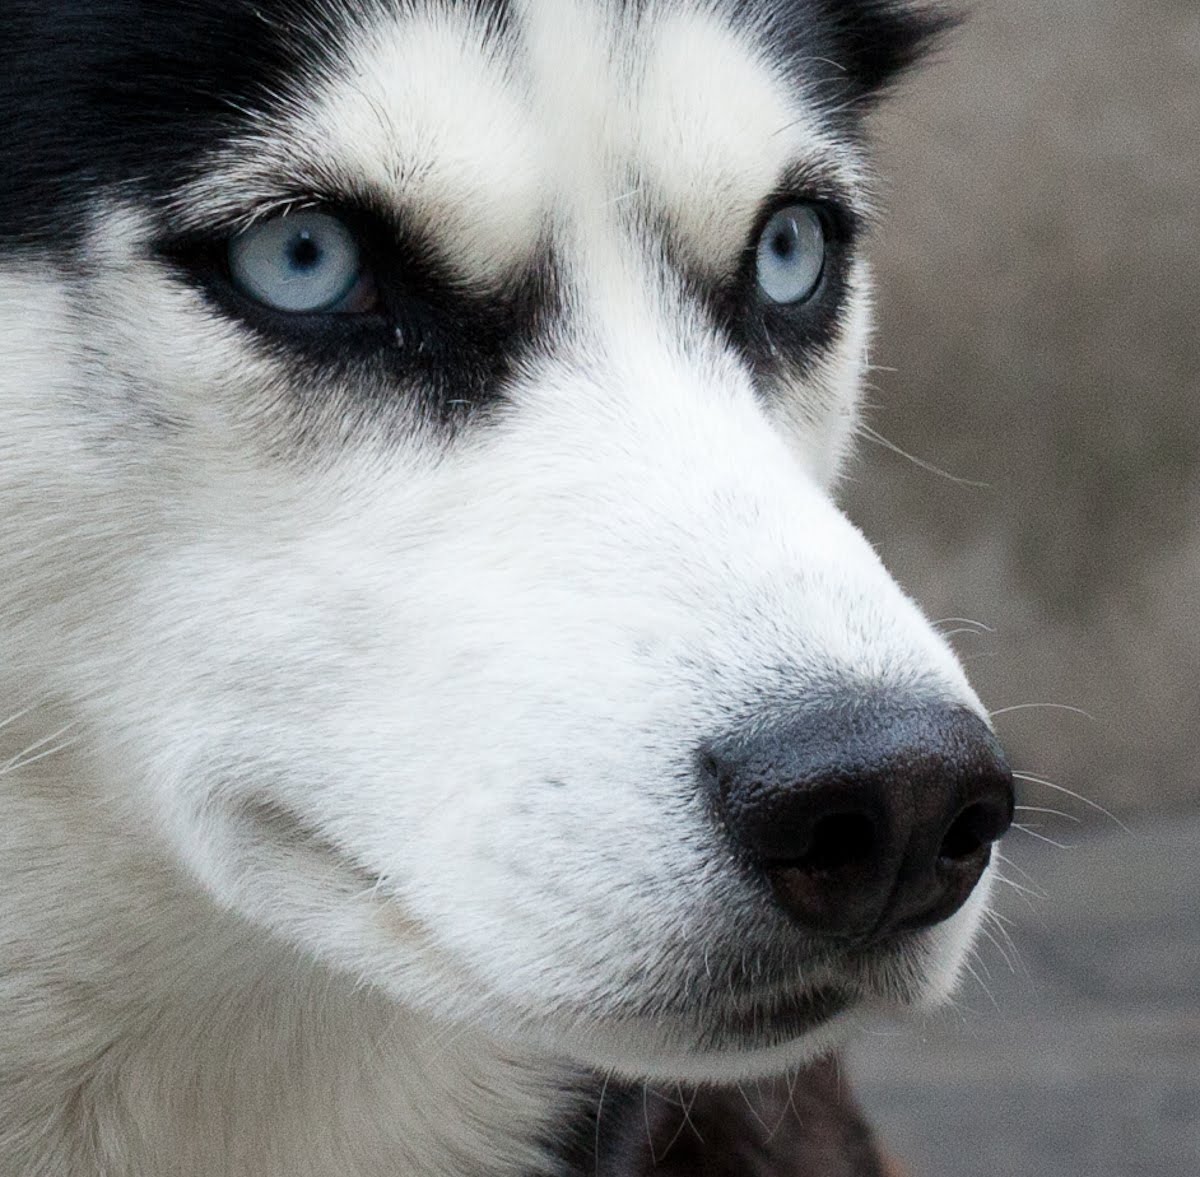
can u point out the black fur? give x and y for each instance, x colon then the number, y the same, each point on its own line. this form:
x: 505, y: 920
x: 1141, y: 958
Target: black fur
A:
x: 846, y: 52
x: 97, y: 93
x: 806, y: 1126
x: 876, y: 41
x: 431, y: 342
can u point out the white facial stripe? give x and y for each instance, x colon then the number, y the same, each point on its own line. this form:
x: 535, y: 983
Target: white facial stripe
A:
x: 683, y: 101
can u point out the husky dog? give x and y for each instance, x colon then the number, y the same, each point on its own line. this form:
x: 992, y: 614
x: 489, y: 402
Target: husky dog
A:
x: 438, y: 689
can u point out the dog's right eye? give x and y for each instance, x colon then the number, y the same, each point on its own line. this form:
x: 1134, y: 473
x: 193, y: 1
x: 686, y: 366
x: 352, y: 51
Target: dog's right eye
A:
x: 304, y: 263
x: 791, y: 255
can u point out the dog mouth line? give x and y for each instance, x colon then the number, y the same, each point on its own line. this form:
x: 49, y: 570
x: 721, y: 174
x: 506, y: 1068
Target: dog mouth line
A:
x: 716, y: 1021
x: 783, y: 1017
x: 750, y: 1021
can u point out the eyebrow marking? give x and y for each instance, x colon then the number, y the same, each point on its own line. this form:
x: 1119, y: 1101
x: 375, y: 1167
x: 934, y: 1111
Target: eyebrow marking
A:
x: 714, y: 155
x: 380, y: 128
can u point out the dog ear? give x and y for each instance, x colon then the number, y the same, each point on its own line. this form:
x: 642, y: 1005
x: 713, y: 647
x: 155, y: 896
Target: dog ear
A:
x: 809, y: 1127
x: 852, y: 49
x: 876, y: 41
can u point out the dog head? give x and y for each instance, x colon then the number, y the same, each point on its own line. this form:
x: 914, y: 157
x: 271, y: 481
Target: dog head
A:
x: 422, y: 419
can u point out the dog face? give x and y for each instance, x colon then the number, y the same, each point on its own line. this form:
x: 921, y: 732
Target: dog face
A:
x: 421, y: 419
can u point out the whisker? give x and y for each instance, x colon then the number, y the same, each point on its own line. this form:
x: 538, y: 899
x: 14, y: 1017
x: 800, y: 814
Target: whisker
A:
x: 983, y: 965
x: 47, y: 746
x: 1052, y: 812
x: 1031, y: 831
x: 999, y: 947
x: 376, y: 1052
x: 1045, y: 707
x: 753, y: 1109
x: 599, y: 1112
x: 979, y: 981
x: 1000, y: 926
x: 44, y: 740
x: 1038, y: 780
x: 878, y: 438
x: 787, y: 1107
x: 684, y: 1123
x: 17, y: 716
x: 794, y: 1078
x: 1023, y: 873
x: 1025, y: 893
x: 626, y: 195
x: 833, y: 111
x: 22, y: 762
x: 654, y: 1157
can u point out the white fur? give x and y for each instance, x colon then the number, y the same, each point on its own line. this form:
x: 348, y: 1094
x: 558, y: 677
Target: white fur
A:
x: 345, y: 806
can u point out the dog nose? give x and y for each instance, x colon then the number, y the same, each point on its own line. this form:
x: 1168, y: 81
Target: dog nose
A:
x: 866, y: 818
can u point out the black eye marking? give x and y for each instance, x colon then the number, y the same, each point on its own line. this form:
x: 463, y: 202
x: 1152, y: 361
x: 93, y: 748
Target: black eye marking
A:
x: 361, y: 304
x: 782, y: 305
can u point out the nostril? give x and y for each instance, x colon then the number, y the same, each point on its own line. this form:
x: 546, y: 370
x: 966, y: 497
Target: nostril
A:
x: 974, y: 829
x: 839, y: 841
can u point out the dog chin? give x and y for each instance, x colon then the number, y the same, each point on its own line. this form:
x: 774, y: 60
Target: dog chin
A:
x: 772, y: 1035
x: 665, y: 1050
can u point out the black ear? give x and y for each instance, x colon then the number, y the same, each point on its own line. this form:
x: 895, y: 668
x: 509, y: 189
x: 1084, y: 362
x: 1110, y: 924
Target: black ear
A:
x: 875, y: 41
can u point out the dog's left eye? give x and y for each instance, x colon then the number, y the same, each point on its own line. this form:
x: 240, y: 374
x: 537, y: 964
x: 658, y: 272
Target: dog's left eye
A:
x: 305, y: 262
x: 791, y: 254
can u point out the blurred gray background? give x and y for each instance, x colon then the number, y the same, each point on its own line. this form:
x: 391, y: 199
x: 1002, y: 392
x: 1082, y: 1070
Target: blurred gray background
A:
x: 1039, y: 272
x: 1039, y: 268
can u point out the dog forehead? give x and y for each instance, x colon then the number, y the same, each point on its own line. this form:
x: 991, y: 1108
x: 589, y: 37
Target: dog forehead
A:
x: 486, y: 123
x: 194, y: 76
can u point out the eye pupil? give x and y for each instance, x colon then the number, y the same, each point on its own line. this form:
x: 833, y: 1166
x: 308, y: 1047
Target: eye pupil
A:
x: 305, y: 253
x: 784, y: 242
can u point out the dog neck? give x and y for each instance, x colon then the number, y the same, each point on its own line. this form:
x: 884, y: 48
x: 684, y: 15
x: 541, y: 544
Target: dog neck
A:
x: 146, y: 1031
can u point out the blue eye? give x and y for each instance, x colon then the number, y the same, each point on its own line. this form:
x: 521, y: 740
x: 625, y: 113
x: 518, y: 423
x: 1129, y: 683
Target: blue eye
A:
x: 302, y: 262
x: 791, y: 254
